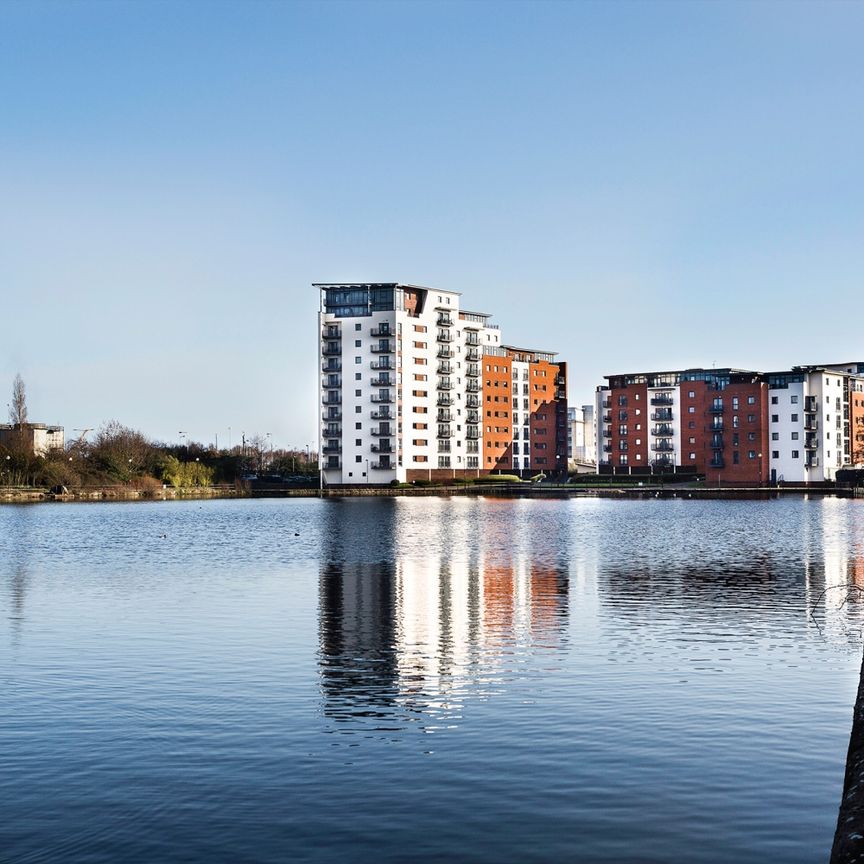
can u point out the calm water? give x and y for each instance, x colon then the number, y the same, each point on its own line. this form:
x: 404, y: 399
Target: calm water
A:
x: 426, y: 680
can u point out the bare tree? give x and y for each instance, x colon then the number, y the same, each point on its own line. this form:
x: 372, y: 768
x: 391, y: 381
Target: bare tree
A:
x: 18, y: 406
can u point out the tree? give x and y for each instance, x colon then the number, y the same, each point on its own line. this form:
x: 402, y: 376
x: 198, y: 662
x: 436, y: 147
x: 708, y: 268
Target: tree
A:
x: 18, y: 406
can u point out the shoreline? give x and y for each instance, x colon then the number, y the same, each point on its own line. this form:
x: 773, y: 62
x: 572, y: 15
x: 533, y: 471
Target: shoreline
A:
x: 21, y: 495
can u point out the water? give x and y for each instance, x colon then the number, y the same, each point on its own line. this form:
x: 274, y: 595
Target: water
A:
x: 427, y: 679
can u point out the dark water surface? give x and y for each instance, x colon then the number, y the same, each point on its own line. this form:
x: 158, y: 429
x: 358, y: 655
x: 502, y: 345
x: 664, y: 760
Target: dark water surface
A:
x: 426, y: 680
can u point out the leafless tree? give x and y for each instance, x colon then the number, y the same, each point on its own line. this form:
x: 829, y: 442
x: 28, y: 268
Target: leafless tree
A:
x: 18, y: 406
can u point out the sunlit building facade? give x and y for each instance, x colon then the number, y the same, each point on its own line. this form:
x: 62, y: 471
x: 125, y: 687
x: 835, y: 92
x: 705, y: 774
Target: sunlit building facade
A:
x: 414, y: 387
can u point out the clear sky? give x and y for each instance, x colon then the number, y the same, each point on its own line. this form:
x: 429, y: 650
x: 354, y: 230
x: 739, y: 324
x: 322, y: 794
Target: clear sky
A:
x: 634, y: 185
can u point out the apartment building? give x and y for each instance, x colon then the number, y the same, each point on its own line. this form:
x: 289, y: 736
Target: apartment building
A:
x: 732, y: 425
x: 414, y: 387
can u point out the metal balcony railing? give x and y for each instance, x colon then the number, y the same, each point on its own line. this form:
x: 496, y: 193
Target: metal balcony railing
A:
x: 382, y: 330
x: 445, y: 367
x: 472, y: 386
x: 811, y: 424
x: 472, y: 370
x: 661, y: 414
x: 329, y: 384
x: 811, y: 443
x: 444, y: 320
x: 383, y: 381
x: 715, y: 409
x: 332, y: 398
x: 662, y: 399
x: 383, y: 414
x: 382, y: 448
x: 445, y: 336
x: 383, y: 348
x: 662, y: 447
x: 472, y: 401
x: 383, y: 363
x: 331, y: 333
x: 472, y: 355
x: 811, y: 405
x: 717, y: 442
x: 331, y: 349
x: 328, y: 449
x: 664, y: 429
x: 381, y: 432
x: 331, y: 366
x: 444, y: 384
x: 383, y: 398
x: 382, y: 465
x: 444, y: 399
x: 331, y: 415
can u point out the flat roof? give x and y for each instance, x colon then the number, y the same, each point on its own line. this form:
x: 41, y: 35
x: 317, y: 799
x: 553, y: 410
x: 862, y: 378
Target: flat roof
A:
x: 723, y: 370
x: 382, y: 285
x: 530, y: 350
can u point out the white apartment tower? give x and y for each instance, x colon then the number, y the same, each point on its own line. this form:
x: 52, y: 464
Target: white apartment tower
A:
x: 400, y: 386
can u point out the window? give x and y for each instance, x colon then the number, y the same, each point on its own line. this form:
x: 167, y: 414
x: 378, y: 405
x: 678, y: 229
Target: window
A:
x: 775, y: 418
x: 794, y: 436
x: 751, y: 418
x: 751, y: 454
x: 794, y: 418
x: 692, y: 455
x: 751, y: 400
x: 358, y: 376
x: 734, y: 439
x: 775, y: 454
x: 358, y: 458
x: 794, y: 400
x: 735, y: 421
x: 622, y: 459
x: 691, y: 409
x: 622, y: 401
x: 691, y: 440
x: 736, y: 457
x: 774, y: 400
x: 751, y: 436
x: 358, y: 392
x: 775, y: 436
x: 358, y: 442
x: 357, y: 343
x: 734, y: 403
x: 691, y: 394
x: 691, y: 424
x: 357, y: 327
x: 358, y: 425
x: 357, y: 409
x: 794, y: 454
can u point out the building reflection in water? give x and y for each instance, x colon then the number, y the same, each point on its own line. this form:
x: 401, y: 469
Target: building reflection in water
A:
x: 412, y: 627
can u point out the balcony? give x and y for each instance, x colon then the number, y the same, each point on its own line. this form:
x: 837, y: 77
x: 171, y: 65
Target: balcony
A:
x: 472, y: 417
x: 717, y: 442
x: 560, y: 394
x: 383, y: 363
x: 472, y: 401
x: 811, y: 462
x: 444, y: 432
x: 560, y: 381
x: 715, y: 425
x: 472, y: 355
x: 444, y: 353
x: 663, y: 447
x: 472, y: 339
x: 381, y: 330
x: 383, y: 414
x: 331, y: 449
x: 811, y: 424
x: 383, y: 447
x: 331, y: 382
x: 662, y: 462
x: 332, y: 398
x: 444, y: 399
x: 606, y: 403
x: 715, y: 409
x: 472, y: 435
x: 333, y: 462
x: 332, y: 414
x: 383, y: 347
x: 607, y: 433
x: 663, y: 429
x: 717, y: 461
x: 332, y: 349
x: 384, y: 381
x: 811, y: 442
x: 662, y: 415
x: 331, y: 366
x: 473, y: 370
x: 444, y: 417
x: 607, y: 448
x: 444, y: 384
x: 445, y: 336
x: 382, y: 432
x: 662, y: 399
x: 811, y: 405
x: 472, y: 386
x: 472, y: 446
x: 445, y: 367
x: 333, y: 432
x: 331, y: 333
x: 607, y: 417
x: 382, y: 465
x: 383, y: 398
x: 444, y: 320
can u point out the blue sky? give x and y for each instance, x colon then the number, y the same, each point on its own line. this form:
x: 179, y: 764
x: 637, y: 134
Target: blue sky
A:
x: 635, y: 185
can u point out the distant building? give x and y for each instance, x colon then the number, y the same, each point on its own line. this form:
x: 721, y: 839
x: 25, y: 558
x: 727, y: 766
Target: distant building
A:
x: 732, y: 425
x: 581, y: 438
x: 35, y: 437
x: 413, y: 387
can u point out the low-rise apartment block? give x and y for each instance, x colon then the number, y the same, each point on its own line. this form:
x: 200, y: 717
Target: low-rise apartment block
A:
x: 36, y: 438
x: 414, y: 387
x: 732, y: 425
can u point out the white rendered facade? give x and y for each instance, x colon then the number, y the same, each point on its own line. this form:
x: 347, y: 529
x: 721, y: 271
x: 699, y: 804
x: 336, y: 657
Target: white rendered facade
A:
x: 400, y: 386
